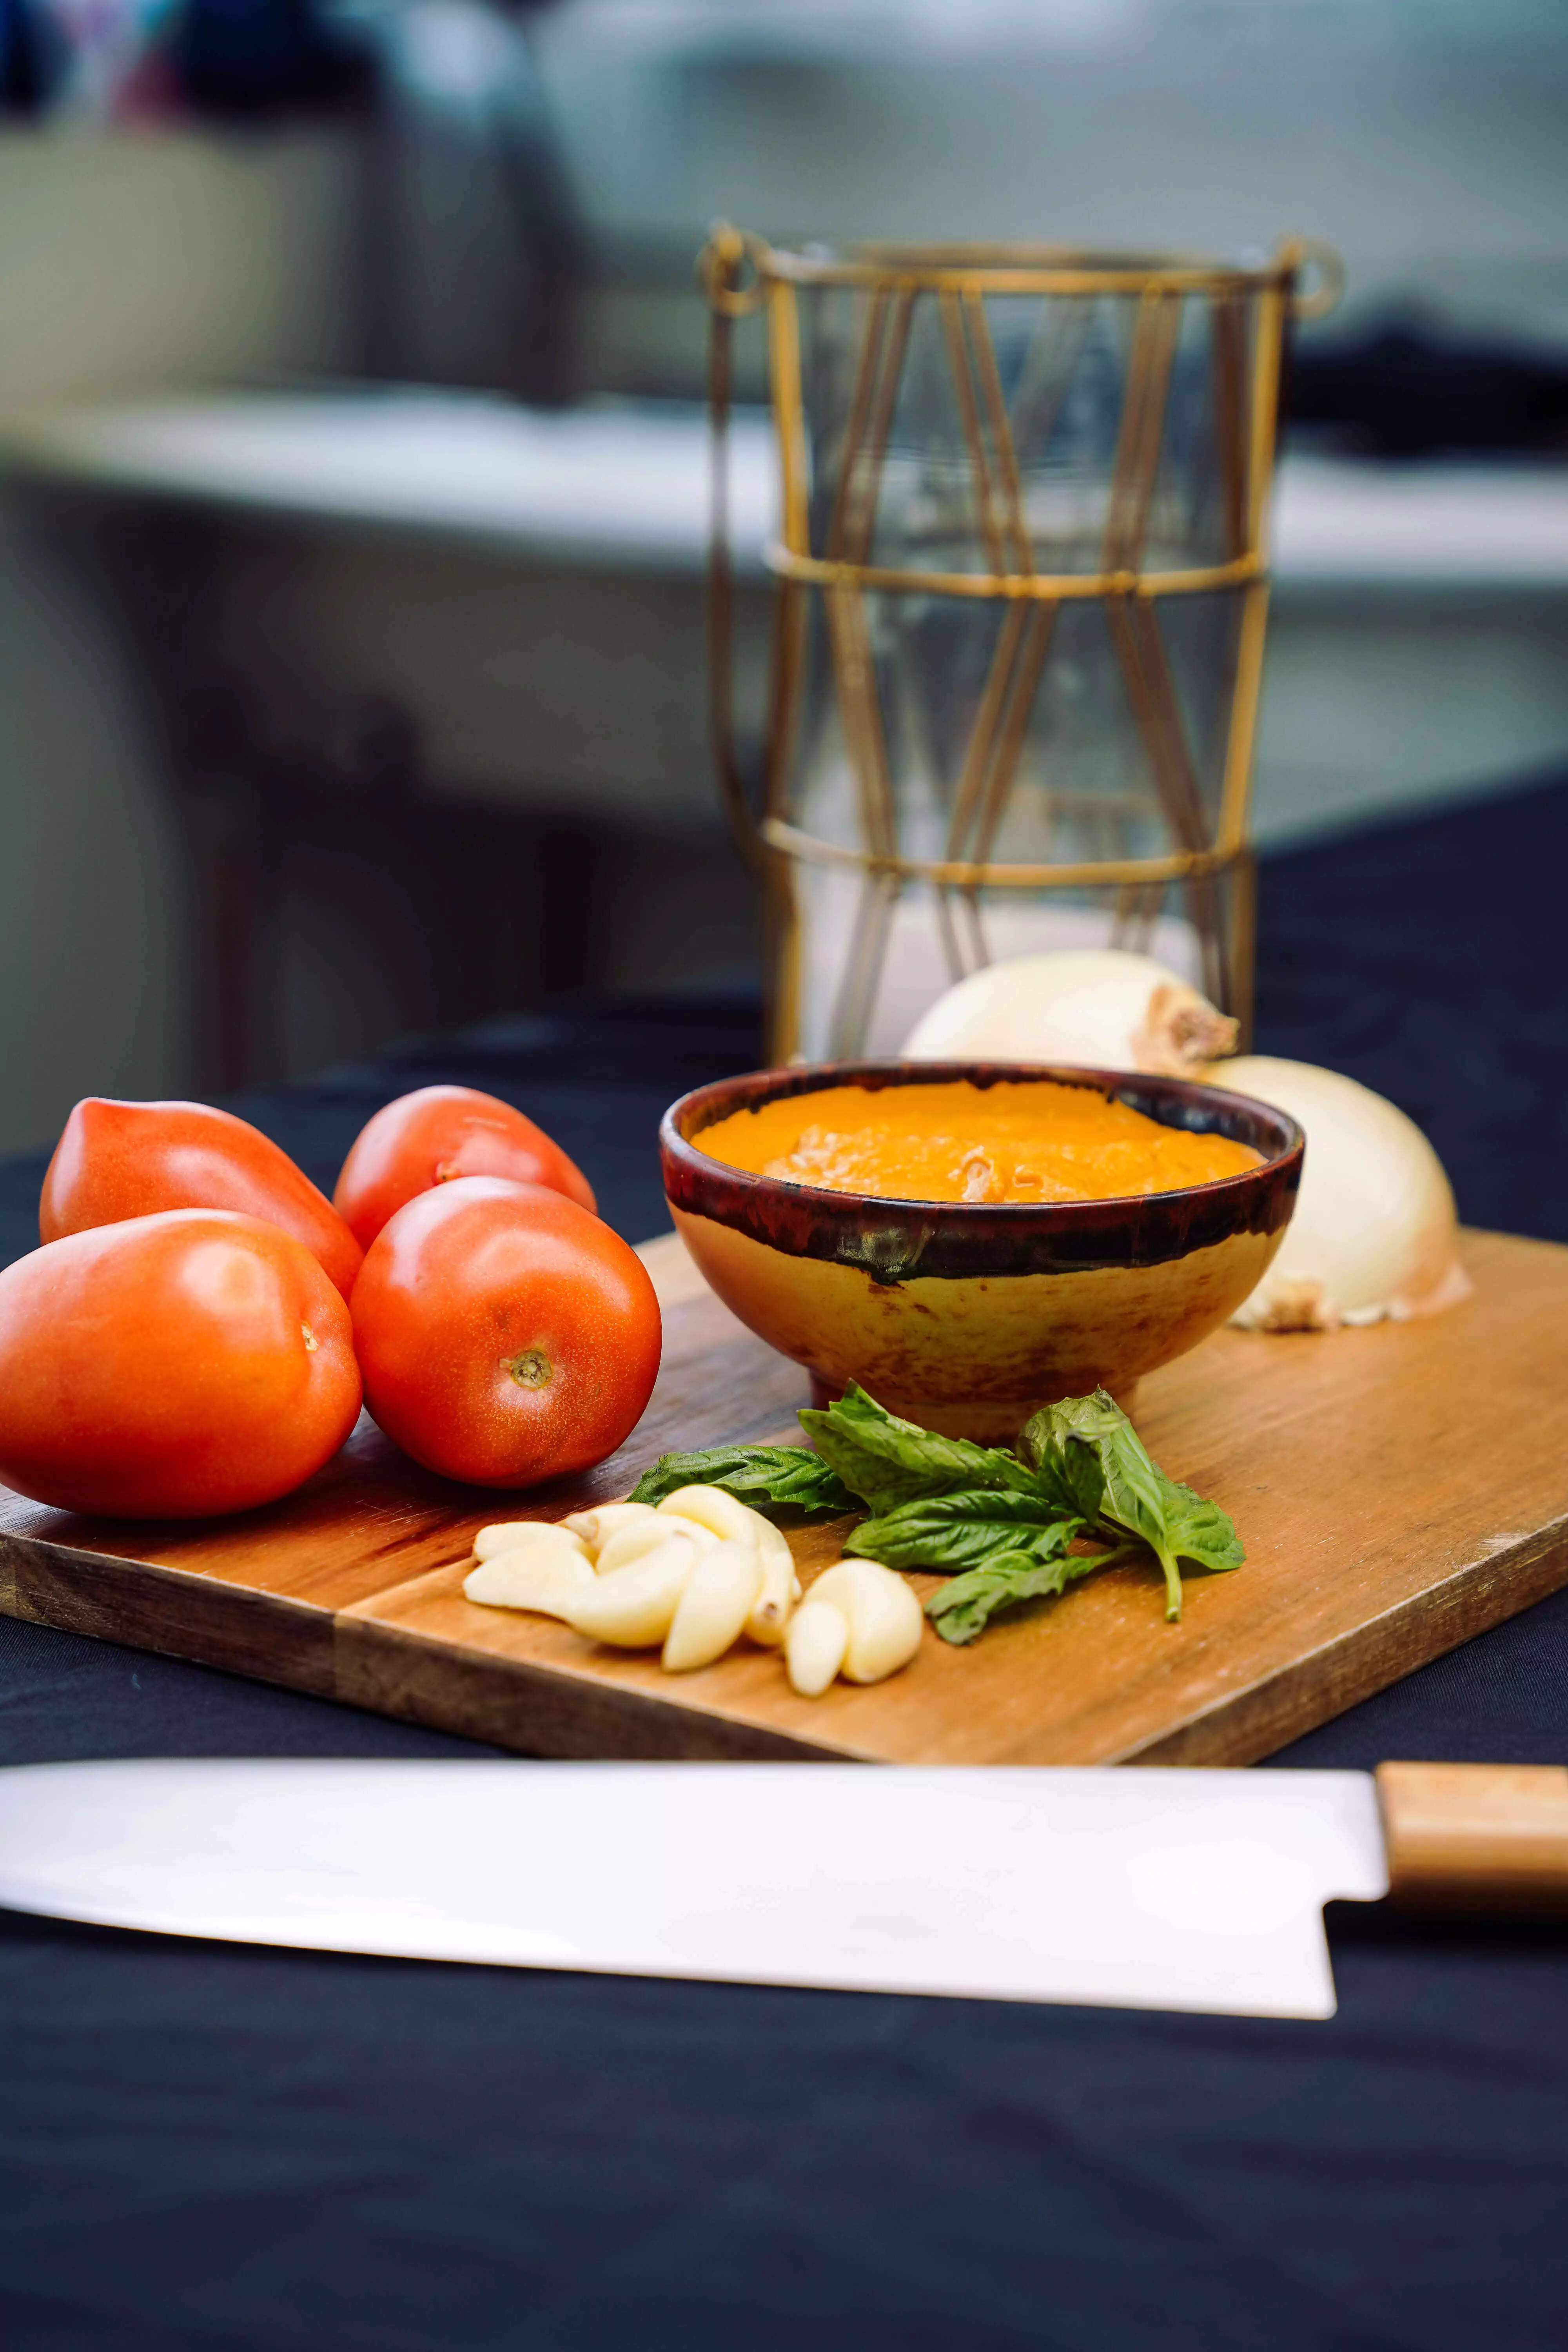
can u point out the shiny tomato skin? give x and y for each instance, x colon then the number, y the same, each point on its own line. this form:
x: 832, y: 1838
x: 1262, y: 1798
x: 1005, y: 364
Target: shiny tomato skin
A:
x: 172, y: 1367
x: 120, y: 1159
x: 436, y: 1135
x: 504, y: 1334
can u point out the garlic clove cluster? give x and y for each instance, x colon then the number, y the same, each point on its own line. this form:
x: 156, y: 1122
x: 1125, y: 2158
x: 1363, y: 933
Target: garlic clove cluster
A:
x: 693, y: 1574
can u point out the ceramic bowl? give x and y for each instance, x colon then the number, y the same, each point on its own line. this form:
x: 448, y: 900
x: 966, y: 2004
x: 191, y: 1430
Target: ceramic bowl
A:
x: 968, y: 1316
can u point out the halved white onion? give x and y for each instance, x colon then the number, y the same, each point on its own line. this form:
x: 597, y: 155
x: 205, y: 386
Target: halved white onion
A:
x: 1374, y: 1234
x: 1103, y: 1008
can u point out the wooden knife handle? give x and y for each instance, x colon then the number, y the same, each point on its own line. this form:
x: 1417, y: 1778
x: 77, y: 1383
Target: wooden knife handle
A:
x: 1477, y: 1837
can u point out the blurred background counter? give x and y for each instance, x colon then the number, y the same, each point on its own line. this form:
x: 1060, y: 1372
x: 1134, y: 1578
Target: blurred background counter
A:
x: 342, y: 695
x: 423, y: 698
x: 425, y: 692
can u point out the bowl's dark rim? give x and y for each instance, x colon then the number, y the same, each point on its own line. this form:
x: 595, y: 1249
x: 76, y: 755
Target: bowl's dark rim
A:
x: 895, y: 1240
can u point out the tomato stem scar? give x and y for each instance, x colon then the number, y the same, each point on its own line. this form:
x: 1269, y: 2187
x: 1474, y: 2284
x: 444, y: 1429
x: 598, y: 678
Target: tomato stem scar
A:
x: 532, y: 1369
x: 312, y: 1342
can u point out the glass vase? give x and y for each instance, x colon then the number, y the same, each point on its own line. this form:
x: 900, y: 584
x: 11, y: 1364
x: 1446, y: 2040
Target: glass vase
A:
x: 1021, y: 591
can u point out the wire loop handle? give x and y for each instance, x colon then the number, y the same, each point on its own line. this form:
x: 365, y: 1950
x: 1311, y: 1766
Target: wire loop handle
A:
x: 1328, y: 264
x: 719, y: 267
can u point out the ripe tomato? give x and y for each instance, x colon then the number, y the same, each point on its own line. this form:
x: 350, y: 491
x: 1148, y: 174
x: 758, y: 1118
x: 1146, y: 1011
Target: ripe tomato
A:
x: 504, y: 1334
x: 439, y: 1132
x: 171, y: 1366
x: 119, y: 1160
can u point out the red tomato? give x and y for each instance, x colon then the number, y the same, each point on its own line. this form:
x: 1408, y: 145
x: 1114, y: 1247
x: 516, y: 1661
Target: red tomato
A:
x: 439, y: 1132
x: 119, y: 1160
x: 171, y: 1366
x: 504, y: 1334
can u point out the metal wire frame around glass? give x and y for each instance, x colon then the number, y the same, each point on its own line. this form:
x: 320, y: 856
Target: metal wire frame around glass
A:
x: 847, y: 565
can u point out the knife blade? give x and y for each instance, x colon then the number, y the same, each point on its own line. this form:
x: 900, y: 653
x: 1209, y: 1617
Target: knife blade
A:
x: 1166, y: 1889
x: 1193, y: 1890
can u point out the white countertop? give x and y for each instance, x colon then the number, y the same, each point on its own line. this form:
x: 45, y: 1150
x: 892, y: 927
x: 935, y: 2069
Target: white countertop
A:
x: 625, y: 485
x: 608, y: 484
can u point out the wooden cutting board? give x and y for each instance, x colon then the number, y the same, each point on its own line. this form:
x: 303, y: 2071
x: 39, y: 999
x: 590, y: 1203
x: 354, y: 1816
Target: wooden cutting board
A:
x: 1398, y: 1489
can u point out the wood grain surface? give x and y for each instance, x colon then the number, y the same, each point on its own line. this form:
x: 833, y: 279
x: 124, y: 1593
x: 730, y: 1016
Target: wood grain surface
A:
x: 1485, y: 1837
x: 1398, y: 1489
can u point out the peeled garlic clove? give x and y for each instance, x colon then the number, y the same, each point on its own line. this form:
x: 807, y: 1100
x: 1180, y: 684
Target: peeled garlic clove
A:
x: 635, y: 1608
x: 727, y: 1516
x: 814, y: 1642
x: 1103, y: 1008
x: 635, y: 1537
x: 540, y: 1537
x: 593, y: 1529
x: 884, y: 1617
x: 776, y: 1596
x: 713, y: 1608
x: 1374, y: 1232
x: 547, y: 1582
x: 724, y: 1515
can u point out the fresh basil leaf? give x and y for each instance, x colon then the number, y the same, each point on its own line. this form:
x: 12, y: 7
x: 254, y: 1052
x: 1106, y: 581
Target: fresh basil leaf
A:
x: 967, y: 1606
x: 779, y: 1481
x: 1075, y: 1475
x: 1200, y: 1531
x: 1088, y: 1417
x: 1085, y: 1448
x: 1072, y: 1472
x: 887, y: 1461
x: 1134, y: 1500
x: 960, y: 1531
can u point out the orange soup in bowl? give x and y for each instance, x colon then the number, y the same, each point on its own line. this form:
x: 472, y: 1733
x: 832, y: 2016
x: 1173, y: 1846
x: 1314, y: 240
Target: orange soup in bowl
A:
x: 1023, y: 1141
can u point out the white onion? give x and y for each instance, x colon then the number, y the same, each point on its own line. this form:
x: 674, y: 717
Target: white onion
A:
x: 1098, y: 1007
x: 1374, y: 1234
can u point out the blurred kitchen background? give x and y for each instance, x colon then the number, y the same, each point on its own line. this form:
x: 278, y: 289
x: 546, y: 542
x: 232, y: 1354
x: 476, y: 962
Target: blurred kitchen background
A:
x: 353, y: 477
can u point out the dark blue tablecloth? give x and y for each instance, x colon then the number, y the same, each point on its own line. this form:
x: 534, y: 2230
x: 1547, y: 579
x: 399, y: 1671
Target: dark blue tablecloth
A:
x: 204, y: 2148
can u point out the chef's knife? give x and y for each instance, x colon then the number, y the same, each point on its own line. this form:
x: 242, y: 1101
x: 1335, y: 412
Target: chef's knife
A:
x: 1162, y: 1889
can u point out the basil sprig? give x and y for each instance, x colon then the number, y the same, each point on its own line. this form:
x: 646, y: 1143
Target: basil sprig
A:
x: 1001, y: 1525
